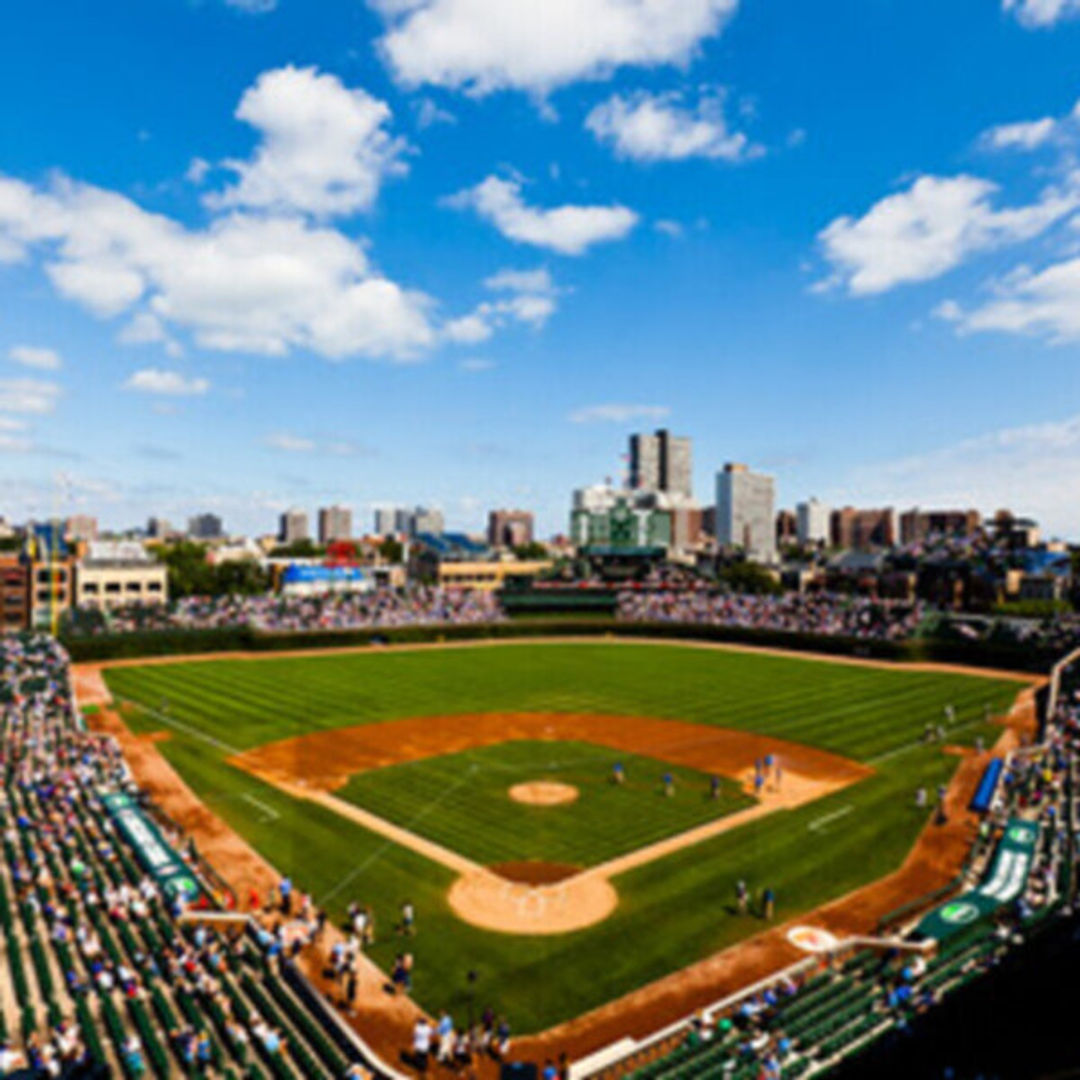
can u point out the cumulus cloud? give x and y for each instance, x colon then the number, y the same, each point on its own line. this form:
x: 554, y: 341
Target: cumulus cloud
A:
x: 525, y: 296
x: 32, y: 356
x: 244, y: 283
x: 1024, y: 135
x: 166, y: 383
x: 23, y: 395
x: 568, y: 230
x: 930, y: 228
x: 660, y: 127
x: 323, y: 150
x: 1046, y: 303
x: 1041, y: 13
x: 615, y: 413
x: 486, y: 45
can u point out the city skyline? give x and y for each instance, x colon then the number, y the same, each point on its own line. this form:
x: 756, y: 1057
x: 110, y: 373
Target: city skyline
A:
x: 505, y: 262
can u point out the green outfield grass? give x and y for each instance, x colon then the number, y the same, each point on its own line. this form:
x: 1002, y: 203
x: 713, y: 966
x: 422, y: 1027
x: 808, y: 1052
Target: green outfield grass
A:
x: 461, y: 801
x: 672, y: 911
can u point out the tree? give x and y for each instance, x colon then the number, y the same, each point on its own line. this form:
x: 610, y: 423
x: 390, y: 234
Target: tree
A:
x: 749, y: 577
x: 189, y: 572
x: 391, y: 550
x: 298, y: 549
x: 532, y: 550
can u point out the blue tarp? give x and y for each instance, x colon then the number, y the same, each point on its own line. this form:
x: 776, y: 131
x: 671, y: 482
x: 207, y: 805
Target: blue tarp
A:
x: 984, y: 793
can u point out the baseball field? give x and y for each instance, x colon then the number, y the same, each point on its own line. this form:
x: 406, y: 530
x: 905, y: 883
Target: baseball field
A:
x: 450, y: 777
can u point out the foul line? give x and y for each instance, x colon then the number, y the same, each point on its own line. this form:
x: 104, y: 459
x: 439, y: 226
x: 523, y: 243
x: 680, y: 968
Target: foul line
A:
x: 269, y: 811
x: 387, y: 843
x: 181, y: 726
x: 834, y: 816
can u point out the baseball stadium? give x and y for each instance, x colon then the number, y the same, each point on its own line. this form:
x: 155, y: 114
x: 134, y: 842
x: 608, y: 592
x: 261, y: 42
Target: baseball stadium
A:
x: 597, y: 855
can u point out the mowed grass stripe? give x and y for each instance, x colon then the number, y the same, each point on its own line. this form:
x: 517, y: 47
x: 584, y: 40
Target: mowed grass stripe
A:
x: 259, y: 701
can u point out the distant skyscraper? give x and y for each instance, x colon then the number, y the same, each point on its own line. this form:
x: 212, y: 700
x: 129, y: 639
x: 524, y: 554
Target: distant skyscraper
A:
x: 205, y: 527
x: 662, y: 462
x: 335, y: 523
x: 426, y: 520
x: 386, y: 520
x: 813, y: 522
x: 293, y: 526
x: 745, y: 514
x: 157, y: 528
x: 510, y: 528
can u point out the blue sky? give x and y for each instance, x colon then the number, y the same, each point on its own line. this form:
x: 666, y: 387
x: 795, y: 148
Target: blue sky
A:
x: 455, y: 251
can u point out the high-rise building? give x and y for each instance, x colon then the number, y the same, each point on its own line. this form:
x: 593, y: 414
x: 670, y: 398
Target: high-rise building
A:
x: 425, y: 519
x: 662, y: 462
x: 81, y: 527
x: 335, y: 523
x: 919, y: 525
x: 812, y: 522
x: 510, y: 528
x: 385, y: 520
x: 157, y: 528
x: 862, y: 529
x: 205, y: 527
x: 787, y: 528
x: 745, y: 514
x: 293, y: 526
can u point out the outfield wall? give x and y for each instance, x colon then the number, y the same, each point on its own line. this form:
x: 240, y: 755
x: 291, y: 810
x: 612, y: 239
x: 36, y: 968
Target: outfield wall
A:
x: 245, y: 639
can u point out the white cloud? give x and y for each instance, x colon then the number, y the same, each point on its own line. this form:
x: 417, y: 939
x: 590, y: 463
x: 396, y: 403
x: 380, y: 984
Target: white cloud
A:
x: 147, y: 329
x: 486, y: 45
x: 1041, y: 13
x: 618, y: 413
x: 1046, y: 303
x: 428, y: 114
x: 324, y: 149
x: 659, y: 127
x: 667, y: 227
x: 244, y: 283
x: 28, y: 396
x: 928, y: 229
x: 568, y: 230
x: 1024, y: 135
x: 32, y: 356
x: 166, y: 383
x: 197, y: 170
x: 476, y: 363
x: 12, y: 423
x: 1025, y: 468
x: 526, y: 296
x: 289, y: 443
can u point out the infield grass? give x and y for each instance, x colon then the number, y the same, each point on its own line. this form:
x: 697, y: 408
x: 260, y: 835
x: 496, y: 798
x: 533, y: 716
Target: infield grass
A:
x: 672, y: 911
x: 462, y: 801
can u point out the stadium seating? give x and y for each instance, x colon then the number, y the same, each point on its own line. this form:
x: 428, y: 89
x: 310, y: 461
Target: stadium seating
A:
x: 104, y: 974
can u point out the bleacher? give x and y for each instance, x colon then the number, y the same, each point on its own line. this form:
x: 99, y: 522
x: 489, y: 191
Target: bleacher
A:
x: 104, y: 972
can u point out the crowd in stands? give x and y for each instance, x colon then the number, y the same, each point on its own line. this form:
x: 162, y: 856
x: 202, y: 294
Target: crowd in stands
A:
x: 793, y: 613
x: 102, y: 973
x: 381, y: 608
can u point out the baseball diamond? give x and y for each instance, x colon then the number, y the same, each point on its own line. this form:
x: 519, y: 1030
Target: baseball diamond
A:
x: 382, y: 777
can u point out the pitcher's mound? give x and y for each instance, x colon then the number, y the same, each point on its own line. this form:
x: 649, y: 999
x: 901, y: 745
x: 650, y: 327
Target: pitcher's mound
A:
x: 489, y: 901
x: 534, y: 872
x: 543, y: 793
